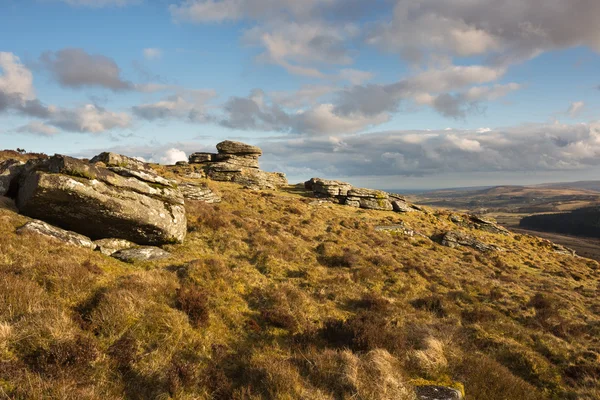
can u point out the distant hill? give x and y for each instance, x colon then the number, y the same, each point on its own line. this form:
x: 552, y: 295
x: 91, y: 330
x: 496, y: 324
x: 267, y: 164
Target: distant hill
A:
x: 555, y: 197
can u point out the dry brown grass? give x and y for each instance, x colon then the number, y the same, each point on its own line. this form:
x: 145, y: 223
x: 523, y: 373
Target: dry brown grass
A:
x: 271, y: 297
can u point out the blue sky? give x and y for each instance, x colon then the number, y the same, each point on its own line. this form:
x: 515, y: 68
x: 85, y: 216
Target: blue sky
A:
x: 384, y: 93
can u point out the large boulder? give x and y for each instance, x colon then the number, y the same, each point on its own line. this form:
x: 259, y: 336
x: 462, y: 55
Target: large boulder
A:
x: 9, y: 171
x: 93, y: 200
x: 41, y: 228
x: 369, y: 199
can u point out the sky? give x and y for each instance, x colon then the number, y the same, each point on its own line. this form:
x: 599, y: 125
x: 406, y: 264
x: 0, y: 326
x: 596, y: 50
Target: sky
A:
x: 390, y: 94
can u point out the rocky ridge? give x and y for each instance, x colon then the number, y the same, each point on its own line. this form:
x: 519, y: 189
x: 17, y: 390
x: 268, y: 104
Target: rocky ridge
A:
x: 370, y: 199
x: 238, y: 163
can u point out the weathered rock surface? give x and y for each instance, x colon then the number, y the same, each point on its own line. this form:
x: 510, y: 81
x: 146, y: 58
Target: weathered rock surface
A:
x: 402, y: 206
x: 130, y: 167
x: 198, y: 192
x: 487, y: 225
x: 69, y: 237
x: 328, y: 188
x: 9, y: 171
x: 397, y: 228
x: 454, y: 239
x: 146, y: 253
x: 433, y: 392
x: 95, y: 201
x: 110, y: 246
x: 238, y: 163
x: 231, y: 147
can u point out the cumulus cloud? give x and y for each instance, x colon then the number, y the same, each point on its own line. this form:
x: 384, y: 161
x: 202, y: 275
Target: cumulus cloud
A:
x: 453, y: 92
x: 355, y: 76
x: 88, y: 119
x: 431, y: 87
x: 172, y: 155
x: 512, y: 29
x: 17, y: 94
x: 534, y: 147
x: 575, y: 109
x: 38, y: 128
x: 75, y: 68
x: 188, y: 105
x: 152, y: 53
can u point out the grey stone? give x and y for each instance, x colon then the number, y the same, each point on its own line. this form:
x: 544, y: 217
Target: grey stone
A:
x: 146, y: 253
x: 367, y: 193
x: 402, y: 206
x: 375, y: 204
x: 9, y: 172
x: 487, y: 225
x: 182, y: 163
x: 245, y: 161
x: 327, y: 188
x: 97, y: 202
x: 231, y: 147
x: 352, y: 202
x: 434, y: 392
x: 130, y: 167
x: 68, y: 237
x: 110, y: 246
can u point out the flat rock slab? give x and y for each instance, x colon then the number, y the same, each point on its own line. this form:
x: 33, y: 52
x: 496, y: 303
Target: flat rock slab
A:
x: 432, y: 392
x: 68, y: 237
x: 231, y: 147
x: 147, y: 253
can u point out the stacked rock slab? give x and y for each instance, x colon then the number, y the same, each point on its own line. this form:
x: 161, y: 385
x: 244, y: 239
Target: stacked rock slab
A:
x: 348, y: 195
x: 237, y: 162
x: 111, y: 197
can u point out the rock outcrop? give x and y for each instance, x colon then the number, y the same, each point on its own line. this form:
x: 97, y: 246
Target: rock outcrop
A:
x: 368, y: 199
x: 111, y: 197
x: 475, y: 222
x: 454, y: 239
x: 41, y: 228
x: 237, y: 162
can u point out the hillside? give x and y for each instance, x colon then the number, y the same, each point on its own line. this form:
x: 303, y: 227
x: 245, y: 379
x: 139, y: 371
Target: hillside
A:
x: 275, y: 294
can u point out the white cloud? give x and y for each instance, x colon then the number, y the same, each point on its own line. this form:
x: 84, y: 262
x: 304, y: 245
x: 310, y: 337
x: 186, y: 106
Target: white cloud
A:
x: 75, y: 68
x: 87, y: 119
x: 152, y: 53
x: 526, y: 148
x: 38, y: 128
x: 15, y: 80
x: 172, y: 155
x: 575, y: 109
